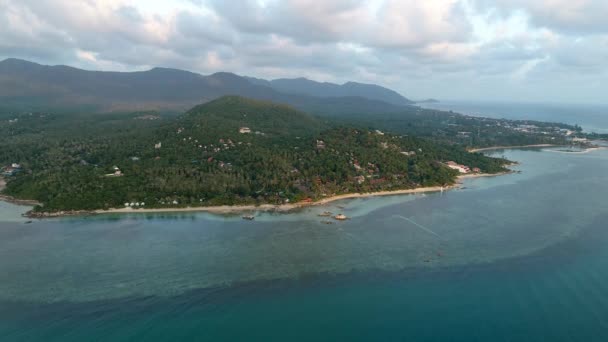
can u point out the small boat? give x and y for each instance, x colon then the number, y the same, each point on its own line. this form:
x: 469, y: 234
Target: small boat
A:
x: 327, y: 222
x: 325, y: 214
x: 249, y: 217
x: 28, y: 222
x: 341, y: 217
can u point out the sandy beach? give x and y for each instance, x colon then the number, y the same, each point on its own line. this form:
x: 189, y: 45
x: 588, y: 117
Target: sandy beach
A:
x: 480, y: 175
x: 237, y: 209
x: 509, y: 147
x: 587, y: 150
x: 226, y: 209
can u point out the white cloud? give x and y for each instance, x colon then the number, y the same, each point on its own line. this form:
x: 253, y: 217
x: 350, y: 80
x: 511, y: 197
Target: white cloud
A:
x: 422, y: 48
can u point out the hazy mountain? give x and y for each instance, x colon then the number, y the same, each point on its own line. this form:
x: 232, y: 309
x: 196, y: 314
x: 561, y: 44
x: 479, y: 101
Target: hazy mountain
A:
x: 428, y: 101
x: 303, y: 86
x: 25, y: 84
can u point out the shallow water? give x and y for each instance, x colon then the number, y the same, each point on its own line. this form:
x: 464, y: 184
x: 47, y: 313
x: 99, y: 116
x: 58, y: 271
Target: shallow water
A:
x: 516, y: 257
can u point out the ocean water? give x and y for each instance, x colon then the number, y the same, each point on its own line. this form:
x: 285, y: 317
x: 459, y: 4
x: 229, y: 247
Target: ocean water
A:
x: 592, y: 117
x: 520, y: 257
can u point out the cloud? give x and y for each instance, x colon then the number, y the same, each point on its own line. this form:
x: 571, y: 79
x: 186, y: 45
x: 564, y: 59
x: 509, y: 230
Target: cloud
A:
x: 501, y: 48
x: 567, y: 16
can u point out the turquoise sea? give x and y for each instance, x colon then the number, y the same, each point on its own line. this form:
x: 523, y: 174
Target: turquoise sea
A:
x: 520, y: 257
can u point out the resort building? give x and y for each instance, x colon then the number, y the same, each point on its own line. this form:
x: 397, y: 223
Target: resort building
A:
x: 459, y: 167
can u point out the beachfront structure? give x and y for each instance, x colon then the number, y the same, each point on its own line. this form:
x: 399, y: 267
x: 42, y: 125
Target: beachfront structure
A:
x: 461, y: 168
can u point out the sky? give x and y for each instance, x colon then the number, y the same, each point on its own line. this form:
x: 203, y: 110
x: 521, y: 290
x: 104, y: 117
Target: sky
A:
x: 503, y: 50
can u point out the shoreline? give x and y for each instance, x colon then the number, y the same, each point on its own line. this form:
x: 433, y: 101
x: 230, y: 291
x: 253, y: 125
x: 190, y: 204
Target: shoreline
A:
x: 586, y: 150
x: 243, y: 209
x: 283, y: 208
x: 492, y: 148
x: 238, y: 209
x: 12, y: 200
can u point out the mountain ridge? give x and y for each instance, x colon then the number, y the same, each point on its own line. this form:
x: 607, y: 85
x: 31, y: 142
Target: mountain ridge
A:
x: 24, y: 84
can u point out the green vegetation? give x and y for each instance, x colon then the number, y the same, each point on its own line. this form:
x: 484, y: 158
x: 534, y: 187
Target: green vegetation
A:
x: 454, y: 128
x: 202, y: 158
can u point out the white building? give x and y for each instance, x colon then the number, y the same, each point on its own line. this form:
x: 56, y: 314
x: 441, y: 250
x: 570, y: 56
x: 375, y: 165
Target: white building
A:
x: 460, y: 168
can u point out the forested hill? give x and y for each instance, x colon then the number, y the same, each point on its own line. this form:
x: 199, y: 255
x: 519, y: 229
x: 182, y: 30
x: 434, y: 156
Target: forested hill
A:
x: 229, y: 151
x: 30, y: 86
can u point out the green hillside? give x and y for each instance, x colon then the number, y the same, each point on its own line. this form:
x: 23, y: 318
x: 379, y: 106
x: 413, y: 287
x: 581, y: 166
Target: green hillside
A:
x: 229, y: 151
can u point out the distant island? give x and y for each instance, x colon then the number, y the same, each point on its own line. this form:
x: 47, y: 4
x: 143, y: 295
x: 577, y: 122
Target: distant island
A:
x: 428, y: 101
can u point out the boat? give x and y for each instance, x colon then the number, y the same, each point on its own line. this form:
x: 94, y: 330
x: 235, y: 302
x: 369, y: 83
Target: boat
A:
x: 249, y: 217
x: 325, y: 214
x: 327, y: 222
x: 341, y: 217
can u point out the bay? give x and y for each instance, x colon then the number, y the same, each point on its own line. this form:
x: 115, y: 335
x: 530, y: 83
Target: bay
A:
x: 505, y: 258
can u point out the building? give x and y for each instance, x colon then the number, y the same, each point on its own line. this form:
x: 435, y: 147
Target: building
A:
x: 461, y: 168
x: 11, y: 170
x: 360, y: 179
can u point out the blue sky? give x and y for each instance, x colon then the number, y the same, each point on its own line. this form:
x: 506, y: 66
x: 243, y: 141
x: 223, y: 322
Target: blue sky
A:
x: 508, y: 50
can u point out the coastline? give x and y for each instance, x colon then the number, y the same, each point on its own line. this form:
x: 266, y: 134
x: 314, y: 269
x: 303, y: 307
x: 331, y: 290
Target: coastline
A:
x: 12, y: 200
x: 492, y: 148
x: 242, y: 209
x: 587, y: 150
x: 237, y: 209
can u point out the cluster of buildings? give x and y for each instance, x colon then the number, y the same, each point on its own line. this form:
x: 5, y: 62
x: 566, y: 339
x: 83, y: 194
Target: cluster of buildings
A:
x: 11, y: 170
x: 134, y: 204
x: 369, y: 171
